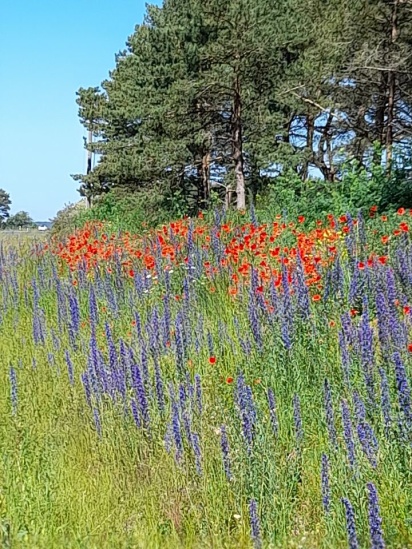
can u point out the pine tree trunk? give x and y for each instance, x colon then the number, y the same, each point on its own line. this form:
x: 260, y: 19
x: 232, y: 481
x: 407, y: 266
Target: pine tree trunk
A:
x: 206, y: 178
x: 89, y: 165
x: 391, y: 93
x: 310, y: 122
x: 238, y: 147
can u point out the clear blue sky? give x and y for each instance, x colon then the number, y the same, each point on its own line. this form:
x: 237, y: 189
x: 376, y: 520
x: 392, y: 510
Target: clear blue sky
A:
x: 49, y: 49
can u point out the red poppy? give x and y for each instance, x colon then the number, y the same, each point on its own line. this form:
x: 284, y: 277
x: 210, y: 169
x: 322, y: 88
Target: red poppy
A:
x: 410, y: 347
x: 212, y: 360
x: 229, y: 380
x: 401, y: 211
x: 316, y: 297
x: 301, y: 218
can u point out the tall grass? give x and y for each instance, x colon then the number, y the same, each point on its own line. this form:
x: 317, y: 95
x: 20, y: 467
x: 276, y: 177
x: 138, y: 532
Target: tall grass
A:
x: 150, y: 407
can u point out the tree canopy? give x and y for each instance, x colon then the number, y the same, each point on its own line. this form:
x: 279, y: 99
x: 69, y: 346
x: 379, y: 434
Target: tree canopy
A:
x: 228, y: 95
x: 5, y: 203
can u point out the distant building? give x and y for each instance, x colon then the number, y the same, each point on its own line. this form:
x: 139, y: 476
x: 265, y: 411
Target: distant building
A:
x: 44, y: 224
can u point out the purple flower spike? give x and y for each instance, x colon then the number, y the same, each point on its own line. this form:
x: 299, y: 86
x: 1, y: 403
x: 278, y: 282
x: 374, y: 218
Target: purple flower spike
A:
x: 375, y: 521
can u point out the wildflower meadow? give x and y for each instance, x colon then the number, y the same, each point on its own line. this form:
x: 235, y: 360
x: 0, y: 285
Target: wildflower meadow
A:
x: 216, y: 382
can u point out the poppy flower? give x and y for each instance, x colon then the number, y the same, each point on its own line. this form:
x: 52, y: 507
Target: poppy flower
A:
x: 401, y: 211
x: 229, y: 380
x: 410, y: 347
x: 316, y: 297
x: 212, y: 360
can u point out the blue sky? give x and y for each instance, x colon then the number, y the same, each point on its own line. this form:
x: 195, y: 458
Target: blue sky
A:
x: 48, y: 49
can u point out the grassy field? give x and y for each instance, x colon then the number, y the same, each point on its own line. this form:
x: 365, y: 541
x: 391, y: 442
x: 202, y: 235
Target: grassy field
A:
x: 220, y: 384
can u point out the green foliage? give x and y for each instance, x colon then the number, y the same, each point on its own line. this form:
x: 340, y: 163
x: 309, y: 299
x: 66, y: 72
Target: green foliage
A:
x: 359, y: 188
x: 5, y: 203
x: 20, y: 220
x: 242, y: 90
x: 135, y: 211
x: 67, y: 220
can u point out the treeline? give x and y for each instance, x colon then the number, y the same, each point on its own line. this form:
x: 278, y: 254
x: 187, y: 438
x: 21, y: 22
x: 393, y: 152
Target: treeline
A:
x: 230, y: 96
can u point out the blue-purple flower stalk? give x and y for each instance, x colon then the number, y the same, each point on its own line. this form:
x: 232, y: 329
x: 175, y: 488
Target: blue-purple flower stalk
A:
x: 348, y: 433
x: 198, y: 393
x: 350, y: 524
x: 345, y: 357
x: 70, y: 370
x: 297, y: 418
x: 13, y: 390
x: 330, y: 420
x: 224, y: 444
x: 324, y: 477
x: 403, y: 390
x: 375, y: 521
x: 176, y: 429
x: 141, y: 397
x: 255, y: 524
x: 97, y: 422
x: 385, y: 402
x: 367, y: 354
x: 195, y: 442
x: 135, y: 413
x: 246, y: 409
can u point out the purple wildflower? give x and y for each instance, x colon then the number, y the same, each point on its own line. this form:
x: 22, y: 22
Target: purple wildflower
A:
x: 385, y: 401
x: 141, y: 395
x: 350, y: 524
x: 325, y: 483
x: 255, y: 524
x: 330, y: 420
x: 177, y: 434
x: 404, y: 392
x: 69, y: 367
x: 297, y: 418
x: 198, y: 393
x: 224, y: 444
x: 135, y: 413
x: 345, y: 358
x: 97, y: 423
x: 87, y: 388
x: 375, y: 521
x: 348, y: 433
x: 195, y: 441
x: 13, y: 390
